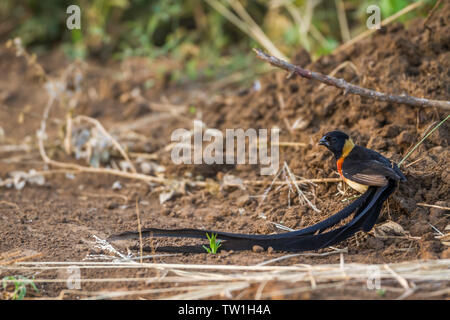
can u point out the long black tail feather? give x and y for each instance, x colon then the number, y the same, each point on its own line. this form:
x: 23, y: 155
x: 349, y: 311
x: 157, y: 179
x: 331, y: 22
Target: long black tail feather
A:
x: 200, y: 233
x: 366, y: 208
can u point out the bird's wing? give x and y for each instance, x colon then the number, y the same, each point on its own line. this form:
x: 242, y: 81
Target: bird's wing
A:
x: 368, y: 172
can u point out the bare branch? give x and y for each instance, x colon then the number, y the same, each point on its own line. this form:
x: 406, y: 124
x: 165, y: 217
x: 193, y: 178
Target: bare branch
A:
x: 348, y: 87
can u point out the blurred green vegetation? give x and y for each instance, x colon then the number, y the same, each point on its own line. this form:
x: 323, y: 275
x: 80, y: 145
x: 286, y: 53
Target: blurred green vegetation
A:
x: 192, y: 32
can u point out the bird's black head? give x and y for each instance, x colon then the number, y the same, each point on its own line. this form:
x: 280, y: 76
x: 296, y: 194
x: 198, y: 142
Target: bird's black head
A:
x: 337, y: 142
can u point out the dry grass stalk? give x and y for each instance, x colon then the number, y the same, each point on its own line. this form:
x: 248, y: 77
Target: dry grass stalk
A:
x: 302, y: 181
x: 11, y: 204
x: 414, y: 162
x: 428, y: 269
x: 254, y: 28
x: 103, y: 195
x: 306, y: 254
x: 343, y: 24
x: 383, y: 23
x: 400, y: 279
x: 422, y: 140
x: 290, y: 144
x: 138, y: 214
x: 246, y: 24
x: 301, y: 194
x: 340, y: 67
x: 221, y: 279
x: 433, y: 206
x: 148, y: 156
x: 15, y: 256
x: 260, y: 290
x: 431, y: 14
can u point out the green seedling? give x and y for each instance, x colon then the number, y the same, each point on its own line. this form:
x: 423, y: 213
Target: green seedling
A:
x: 381, y: 292
x: 213, y: 244
x: 192, y: 110
x: 20, y: 286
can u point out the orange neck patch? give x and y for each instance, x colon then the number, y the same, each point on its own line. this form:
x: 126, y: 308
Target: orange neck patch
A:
x: 339, y: 165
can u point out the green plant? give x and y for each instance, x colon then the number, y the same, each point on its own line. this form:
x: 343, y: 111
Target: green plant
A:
x: 213, y: 243
x: 192, y: 110
x: 20, y: 286
x: 381, y: 292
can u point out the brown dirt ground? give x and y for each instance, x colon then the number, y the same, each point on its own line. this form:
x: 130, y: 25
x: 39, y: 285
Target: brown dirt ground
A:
x: 60, y: 218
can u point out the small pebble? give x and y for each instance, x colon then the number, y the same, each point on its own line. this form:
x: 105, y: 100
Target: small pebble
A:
x: 112, y: 205
x: 117, y: 185
x: 243, y: 200
x: 257, y: 249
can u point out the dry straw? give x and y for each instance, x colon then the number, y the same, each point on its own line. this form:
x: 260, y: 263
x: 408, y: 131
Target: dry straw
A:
x: 209, y: 281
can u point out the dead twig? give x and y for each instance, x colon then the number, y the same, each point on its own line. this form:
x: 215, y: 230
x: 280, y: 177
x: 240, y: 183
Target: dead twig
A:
x: 301, y: 195
x: 348, y: 87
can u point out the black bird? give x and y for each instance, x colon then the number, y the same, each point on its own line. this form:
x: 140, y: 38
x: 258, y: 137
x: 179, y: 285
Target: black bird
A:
x: 362, y: 169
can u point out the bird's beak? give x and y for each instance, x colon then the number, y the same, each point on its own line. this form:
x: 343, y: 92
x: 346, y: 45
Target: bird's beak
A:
x: 323, y: 142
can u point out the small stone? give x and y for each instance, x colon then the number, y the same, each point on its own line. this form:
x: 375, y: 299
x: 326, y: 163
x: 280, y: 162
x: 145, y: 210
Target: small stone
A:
x: 257, y: 249
x: 117, y: 185
x: 390, y: 228
x: 243, y: 200
x: 269, y: 250
x: 166, y: 196
x: 112, y: 205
